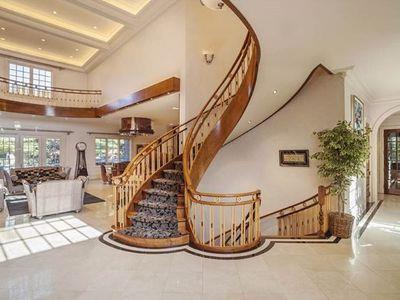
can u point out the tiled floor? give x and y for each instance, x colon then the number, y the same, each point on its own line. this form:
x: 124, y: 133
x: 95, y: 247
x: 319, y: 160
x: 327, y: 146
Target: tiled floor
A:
x: 368, y: 268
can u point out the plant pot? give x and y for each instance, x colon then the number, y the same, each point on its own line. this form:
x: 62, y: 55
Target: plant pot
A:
x: 341, y: 225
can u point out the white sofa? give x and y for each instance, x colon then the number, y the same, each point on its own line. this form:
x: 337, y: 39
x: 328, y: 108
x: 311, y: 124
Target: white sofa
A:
x: 53, y: 197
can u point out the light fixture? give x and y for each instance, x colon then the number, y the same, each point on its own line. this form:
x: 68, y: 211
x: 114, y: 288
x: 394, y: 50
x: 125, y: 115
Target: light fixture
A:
x: 275, y: 92
x: 54, y: 12
x: 43, y: 40
x: 3, y: 28
x: 94, y: 27
x: 1, y: 129
x: 76, y: 49
x: 39, y: 48
x: 213, y: 4
x: 175, y: 108
x: 208, y: 57
x: 71, y: 56
x: 3, y: 39
x: 17, y: 125
x: 249, y: 121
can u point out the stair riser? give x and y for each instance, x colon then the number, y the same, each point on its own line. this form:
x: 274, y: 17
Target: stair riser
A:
x: 167, y: 187
x: 143, y: 234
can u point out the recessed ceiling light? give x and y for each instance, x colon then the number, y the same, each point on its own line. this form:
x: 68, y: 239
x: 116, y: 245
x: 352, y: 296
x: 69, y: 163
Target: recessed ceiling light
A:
x: 3, y: 39
x: 275, y: 92
x: 3, y: 28
x: 54, y: 12
x: 76, y: 49
x: 249, y: 122
x: 175, y: 108
x: 94, y: 27
x: 39, y: 48
x: 71, y: 56
x: 43, y: 40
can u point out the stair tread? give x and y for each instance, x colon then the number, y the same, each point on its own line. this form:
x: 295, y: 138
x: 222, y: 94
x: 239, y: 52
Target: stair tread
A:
x: 148, y: 218
x: 173, y: 171
x: 166, y: 181
x: 150, y: 233
x: 159, y: 192
x: 157, y: 204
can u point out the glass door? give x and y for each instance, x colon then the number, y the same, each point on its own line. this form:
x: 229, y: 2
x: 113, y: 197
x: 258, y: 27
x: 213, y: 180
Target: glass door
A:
x: 392, y: 161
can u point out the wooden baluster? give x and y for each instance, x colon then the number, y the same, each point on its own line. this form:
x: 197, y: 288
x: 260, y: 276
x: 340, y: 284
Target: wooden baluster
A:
x: 321, y: 201
x: 221, y: 234
x: 202, y: 224
x: 243, y: 226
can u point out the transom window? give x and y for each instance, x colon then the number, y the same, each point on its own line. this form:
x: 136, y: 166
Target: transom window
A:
x: 112, y: 150
x: 29, y: 81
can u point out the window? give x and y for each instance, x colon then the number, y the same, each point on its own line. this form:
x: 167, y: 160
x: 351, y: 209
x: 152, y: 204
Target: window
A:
x: 53, y: 152
x: 7, y: 152
x: 112, y: 150
x: 23, y: 77
x: 30, y: 152
x: 42, y: 79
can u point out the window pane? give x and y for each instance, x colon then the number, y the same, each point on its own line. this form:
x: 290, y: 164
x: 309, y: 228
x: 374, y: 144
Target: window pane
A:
x: 43, y: 81
x: 124, y: 150
x: 20, y: 75
x: 7, y: 152
x: 53, y: 152
x: 30, y: 149
x: 113, y: 149
x: 100, y: 151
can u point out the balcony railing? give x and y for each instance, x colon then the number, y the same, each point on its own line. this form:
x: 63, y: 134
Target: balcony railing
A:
x: 38, y: 94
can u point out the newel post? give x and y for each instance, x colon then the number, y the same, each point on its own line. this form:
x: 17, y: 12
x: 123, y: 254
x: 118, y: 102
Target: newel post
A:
x: 321, y: 202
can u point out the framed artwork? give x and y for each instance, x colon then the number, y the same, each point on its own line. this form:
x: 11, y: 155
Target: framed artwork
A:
x: 357, y: 113
x: 139, y: 147
x: 294, y: 158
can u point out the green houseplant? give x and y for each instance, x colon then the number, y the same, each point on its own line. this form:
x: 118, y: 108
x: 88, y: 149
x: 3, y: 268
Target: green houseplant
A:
x: 343, y: 153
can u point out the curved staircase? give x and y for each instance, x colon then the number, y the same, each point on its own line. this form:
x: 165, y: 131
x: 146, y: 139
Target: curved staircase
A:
x: 156, y: 201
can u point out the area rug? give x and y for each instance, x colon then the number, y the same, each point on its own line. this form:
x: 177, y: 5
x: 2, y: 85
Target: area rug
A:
x: 90, y: 199
x: 18, y: 205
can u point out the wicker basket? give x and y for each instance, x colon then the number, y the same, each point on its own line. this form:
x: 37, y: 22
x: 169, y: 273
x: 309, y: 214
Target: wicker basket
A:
x: 341, y: 225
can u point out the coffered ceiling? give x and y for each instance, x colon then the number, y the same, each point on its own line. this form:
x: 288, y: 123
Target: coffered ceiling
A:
x: 74, y: 34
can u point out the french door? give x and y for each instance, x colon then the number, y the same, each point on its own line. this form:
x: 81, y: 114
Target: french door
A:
x: 392, y: 161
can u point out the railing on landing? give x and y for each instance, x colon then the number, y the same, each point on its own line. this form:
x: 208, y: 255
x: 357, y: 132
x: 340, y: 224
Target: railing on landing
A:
x: 39, y: 94
x: 308, y: 218
x: 211, y: 217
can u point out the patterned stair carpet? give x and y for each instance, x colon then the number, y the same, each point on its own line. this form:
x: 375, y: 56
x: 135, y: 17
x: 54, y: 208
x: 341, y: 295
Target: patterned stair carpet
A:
x: 155, y: 216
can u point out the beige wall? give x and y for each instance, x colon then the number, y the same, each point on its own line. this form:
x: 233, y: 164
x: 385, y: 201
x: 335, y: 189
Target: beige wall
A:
x: 206, y: 29
x: 154, y: 54
x: 252, y: 162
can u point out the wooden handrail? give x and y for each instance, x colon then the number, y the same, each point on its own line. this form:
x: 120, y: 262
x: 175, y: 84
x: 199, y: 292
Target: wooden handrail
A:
x: 50, y: 89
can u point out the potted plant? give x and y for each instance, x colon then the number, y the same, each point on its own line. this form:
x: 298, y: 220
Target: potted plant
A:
x: 343, y: 153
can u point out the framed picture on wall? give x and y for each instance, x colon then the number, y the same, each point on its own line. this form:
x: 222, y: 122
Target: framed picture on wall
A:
x: 294, y: 158
x: 139, y: 147
x: 357, y: 113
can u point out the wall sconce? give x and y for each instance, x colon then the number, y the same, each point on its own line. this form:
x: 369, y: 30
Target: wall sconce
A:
x: 208, y: 57
x: 213, y: 4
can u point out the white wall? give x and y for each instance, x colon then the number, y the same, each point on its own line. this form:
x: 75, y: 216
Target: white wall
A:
x: 252, y: 161
x: 154, y: 54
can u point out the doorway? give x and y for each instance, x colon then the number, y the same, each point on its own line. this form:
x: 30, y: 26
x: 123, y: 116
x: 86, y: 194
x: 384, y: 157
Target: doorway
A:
x: 392, y: 161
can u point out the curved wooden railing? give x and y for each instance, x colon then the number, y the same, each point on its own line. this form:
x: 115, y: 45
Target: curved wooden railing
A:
x: 308, y: 218
x: 212, y: 216
x: 145, y: 164
x: 38, y: 94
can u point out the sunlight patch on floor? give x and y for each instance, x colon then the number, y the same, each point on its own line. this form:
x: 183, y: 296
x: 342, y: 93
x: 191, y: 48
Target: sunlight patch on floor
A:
x: 29, y: 238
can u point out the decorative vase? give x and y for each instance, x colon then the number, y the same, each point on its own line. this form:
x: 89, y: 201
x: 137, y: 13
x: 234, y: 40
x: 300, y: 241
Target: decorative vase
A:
x: 341, y: 225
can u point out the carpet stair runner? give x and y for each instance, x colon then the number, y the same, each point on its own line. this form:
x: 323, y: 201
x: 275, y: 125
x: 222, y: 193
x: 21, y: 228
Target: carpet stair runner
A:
x: 156, y: 214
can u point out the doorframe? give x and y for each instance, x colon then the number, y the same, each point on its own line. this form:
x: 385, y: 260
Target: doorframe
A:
x: 386, y: 133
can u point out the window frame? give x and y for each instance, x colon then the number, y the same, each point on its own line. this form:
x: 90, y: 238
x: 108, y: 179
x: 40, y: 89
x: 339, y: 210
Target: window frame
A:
x: 31, y: 90
x: 107, y: 161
